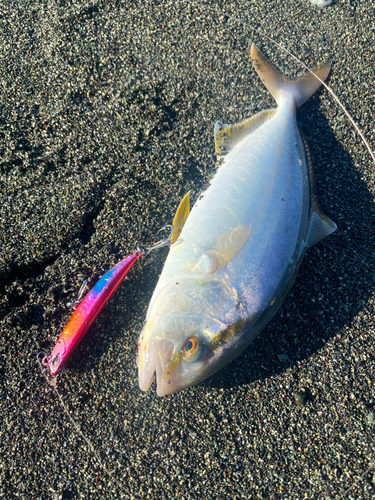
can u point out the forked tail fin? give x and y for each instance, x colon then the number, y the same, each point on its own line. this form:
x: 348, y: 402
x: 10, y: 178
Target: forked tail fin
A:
x: 301, y: 87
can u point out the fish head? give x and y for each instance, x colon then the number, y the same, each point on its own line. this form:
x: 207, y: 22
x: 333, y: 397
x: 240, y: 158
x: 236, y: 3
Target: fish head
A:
x: 189, y: 329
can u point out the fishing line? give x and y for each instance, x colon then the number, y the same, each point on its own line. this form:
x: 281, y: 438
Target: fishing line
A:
x: 293, y: 56
x: 52, y: 381
x: 287, y: 51
x: 281, y: 47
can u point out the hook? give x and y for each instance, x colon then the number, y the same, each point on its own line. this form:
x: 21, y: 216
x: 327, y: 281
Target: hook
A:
x: 161, y: 243
x: 42, y: 359
x: 80, y: 295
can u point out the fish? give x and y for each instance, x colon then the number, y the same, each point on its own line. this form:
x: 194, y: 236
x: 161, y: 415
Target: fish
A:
x: 87, y: 312
x: 242, y: 244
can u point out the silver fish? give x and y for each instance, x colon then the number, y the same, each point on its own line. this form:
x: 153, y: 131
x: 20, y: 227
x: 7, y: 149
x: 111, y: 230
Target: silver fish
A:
x: 241, y: 246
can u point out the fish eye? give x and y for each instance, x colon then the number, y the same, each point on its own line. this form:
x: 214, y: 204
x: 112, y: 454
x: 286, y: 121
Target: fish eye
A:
x: 189, y: 346
x: 192, y: 348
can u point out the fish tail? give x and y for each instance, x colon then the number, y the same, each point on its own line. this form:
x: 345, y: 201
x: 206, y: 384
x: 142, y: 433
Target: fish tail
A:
x: 301, y: 87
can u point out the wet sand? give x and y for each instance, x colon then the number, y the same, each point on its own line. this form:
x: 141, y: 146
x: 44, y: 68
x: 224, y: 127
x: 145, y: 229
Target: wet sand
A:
x: 106, y: 121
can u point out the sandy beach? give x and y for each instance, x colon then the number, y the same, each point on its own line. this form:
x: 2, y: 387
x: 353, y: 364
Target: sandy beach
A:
x: 107, y: 112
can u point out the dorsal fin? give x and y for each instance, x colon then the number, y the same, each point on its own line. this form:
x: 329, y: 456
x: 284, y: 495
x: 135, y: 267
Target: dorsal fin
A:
x: 320, y: 225
x: 227, y: 136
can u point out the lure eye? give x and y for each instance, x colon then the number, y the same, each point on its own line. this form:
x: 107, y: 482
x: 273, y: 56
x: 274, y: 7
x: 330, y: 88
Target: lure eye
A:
x: 192, y: 348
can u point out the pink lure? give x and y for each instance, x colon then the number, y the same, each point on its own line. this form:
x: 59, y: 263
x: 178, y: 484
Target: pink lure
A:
x: 87, y: 312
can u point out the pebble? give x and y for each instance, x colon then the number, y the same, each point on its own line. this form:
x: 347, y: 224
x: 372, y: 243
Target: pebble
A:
x: 300, y: 397
x: 283, y: 357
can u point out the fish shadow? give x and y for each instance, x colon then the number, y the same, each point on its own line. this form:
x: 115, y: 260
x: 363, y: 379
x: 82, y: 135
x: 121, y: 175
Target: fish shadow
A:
x: 336, y: 277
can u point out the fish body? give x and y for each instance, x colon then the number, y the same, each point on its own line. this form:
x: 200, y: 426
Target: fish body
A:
x: 241, y: 246
x: 87, y: 311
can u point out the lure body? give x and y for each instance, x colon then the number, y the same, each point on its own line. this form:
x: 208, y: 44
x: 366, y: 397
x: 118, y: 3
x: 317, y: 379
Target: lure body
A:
x: 87, y: 312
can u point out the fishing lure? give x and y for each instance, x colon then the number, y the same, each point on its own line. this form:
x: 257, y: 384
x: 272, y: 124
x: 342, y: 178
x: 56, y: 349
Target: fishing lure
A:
x: 87, y: 311
x: 92, y: 305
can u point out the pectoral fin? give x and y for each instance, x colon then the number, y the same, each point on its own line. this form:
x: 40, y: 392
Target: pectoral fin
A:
x: 180, y: 218
x: 226, y: 248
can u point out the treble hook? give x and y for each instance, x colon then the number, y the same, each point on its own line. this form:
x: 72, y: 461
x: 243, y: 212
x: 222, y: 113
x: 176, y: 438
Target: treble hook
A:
x: 161, y: 243
x: 42, y: 359
x: 80, y: 295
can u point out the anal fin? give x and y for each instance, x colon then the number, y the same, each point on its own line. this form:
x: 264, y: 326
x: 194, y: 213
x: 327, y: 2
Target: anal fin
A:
x: 320, y: 227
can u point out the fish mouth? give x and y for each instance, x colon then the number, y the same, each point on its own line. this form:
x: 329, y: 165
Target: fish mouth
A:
x: 153, y: 359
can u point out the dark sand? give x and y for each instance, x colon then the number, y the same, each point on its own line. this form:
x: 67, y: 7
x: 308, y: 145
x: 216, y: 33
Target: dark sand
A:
x: 106, y: 121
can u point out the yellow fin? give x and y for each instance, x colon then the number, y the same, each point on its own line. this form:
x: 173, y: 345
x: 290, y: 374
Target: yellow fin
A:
x: 180, y: 217
x: 226, y: 247
x: 227, y: 136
